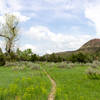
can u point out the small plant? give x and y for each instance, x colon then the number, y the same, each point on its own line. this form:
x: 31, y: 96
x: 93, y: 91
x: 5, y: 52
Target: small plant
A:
x: 10, y: 64
x: 65, y: 65
x: 93, y: 73
x: 17, y: 68
x: 94, y: 66
x: 35, y: 67
x: 52, y: 64
x: 71, y: 65
x: 96, y: 63
x: 61, y: 65
x: 88, y: 64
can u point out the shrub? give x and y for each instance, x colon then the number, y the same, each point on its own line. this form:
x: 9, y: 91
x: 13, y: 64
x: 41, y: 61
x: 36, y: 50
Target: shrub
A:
x: 52, y: 64
x: 71, y: 65
x: 94, y: 66
x: 96, y: 63
x: 93, y: 73
x: 64, y: 65
x: 17, y: 68
x: 61, y: 65
x: 35, y: 67
x: 2, y: 60
x: 10, y: 64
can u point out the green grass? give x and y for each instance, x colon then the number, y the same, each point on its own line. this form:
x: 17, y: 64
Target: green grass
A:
x: 23, y: 85
x: 73, y: 84
x: 33, y: 84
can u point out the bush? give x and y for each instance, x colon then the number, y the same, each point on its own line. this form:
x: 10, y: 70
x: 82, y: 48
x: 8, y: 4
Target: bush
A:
x: 51, y: 64
x: 94, y: 66
x: 18, y: 68
x: 2, y: 60
x: 93, y: 73
x: 10, y: 64
x: 64, y: 65
x: 35, y: 67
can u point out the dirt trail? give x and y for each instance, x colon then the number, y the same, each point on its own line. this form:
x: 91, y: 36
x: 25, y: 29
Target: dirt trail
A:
x: 53, y: 90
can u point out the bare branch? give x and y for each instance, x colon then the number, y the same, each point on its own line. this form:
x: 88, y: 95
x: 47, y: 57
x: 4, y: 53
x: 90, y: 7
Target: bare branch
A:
x: 5, y: 36
x: 10, y: 31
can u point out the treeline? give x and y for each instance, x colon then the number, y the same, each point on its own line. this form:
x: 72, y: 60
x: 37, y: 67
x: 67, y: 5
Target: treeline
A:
x: 28, y: 55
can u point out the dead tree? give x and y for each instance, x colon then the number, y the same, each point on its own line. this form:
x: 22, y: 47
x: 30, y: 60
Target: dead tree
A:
x: 9, y: 31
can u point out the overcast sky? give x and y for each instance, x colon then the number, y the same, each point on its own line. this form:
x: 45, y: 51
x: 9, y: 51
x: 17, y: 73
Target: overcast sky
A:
x: 54, y: 25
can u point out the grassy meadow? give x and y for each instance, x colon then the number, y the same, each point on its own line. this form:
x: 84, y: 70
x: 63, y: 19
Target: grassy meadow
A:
x: 22, y: 83
x: 27, y: 81
x: 73, y: 83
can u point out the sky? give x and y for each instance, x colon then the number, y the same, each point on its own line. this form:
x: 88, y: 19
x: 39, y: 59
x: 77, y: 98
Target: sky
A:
x: 48, y: 26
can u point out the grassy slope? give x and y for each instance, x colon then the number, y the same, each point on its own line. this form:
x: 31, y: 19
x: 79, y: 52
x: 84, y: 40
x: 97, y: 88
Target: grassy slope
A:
x: 24, y: 80
x: 72, y: 84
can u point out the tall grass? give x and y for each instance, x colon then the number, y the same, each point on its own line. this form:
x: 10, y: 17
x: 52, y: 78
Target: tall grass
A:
x: 74, y: 84
x: 23, y: 82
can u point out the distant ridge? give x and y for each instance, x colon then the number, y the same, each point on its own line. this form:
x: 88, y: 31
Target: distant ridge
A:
x: 92, y: 46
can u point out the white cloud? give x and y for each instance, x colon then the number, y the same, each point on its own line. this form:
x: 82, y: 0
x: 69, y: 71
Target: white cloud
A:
x: 92, y: 12
x: 48, y: 41
x: 22, y: 18
x: 13, y: 5
x: 8, y: 6
x: 2, y: 19
x: 28, y: 46
x: 3, y: 7
x: 2, y: 45
x: 57, y: 7
x: 55, y: 1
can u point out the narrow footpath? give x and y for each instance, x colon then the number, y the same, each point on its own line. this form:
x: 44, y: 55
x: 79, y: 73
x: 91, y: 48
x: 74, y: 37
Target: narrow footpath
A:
x: 53, y: 89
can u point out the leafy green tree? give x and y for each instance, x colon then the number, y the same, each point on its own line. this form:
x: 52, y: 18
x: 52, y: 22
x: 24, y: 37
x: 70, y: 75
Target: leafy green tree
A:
x: 42, y: 58
x: 80, y: 57
x: 59, y: 59
x: 52, y: 58
x: 26, y: 55
x: 34, y: 58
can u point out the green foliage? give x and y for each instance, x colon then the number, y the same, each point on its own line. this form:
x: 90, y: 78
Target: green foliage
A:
x: 33, y: 66
x: 73, y: 84
x: 93, y: 73
x: 11, y: 56
x: 20, y: 84
x: 42, y: 58
x: 2, y: 58
x: 80, y: 57
x: 54, y: 58
x: 18, y: 68
x: 26, y: 55
x: 34, y: 57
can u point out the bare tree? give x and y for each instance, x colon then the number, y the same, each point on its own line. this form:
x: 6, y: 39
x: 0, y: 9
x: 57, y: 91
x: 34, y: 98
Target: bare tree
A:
x: 9, y: 31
